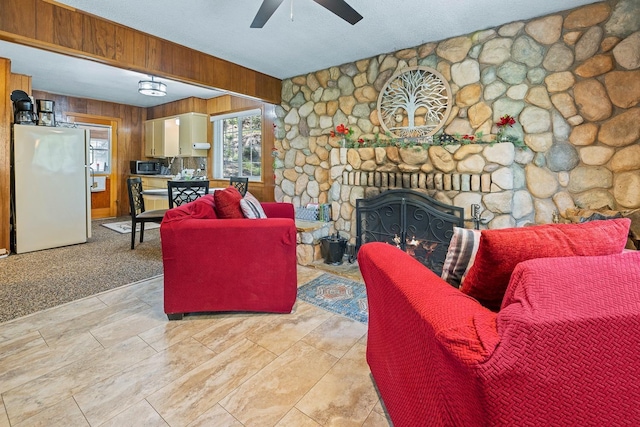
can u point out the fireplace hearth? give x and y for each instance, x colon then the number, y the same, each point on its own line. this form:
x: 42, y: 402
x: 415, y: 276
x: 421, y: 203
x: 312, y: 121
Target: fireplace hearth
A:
x: 411, y: 221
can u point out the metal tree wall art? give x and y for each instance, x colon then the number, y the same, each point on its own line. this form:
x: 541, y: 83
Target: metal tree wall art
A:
x: 414, y: 103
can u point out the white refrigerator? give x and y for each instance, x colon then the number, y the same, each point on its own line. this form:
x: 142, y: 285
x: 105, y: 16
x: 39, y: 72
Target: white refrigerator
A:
x: 51, y: 191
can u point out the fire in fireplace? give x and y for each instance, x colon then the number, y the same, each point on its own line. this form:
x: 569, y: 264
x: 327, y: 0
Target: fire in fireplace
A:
x: 411, y: 221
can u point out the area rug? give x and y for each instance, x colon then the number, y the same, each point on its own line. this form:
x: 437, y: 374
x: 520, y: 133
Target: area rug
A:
x: 338, y: 295
x: 124, y: 227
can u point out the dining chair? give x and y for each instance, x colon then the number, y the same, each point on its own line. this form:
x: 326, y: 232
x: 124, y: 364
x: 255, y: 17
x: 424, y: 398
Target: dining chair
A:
x: 241, y: 183
x: 186, y: 191
x: 138, y: 213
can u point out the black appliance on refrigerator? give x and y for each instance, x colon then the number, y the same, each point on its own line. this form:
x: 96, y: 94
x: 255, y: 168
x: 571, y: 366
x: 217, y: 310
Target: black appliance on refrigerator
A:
x: 23, y: 113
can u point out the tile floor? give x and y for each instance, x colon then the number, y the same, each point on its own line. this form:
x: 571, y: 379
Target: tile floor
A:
x: 113, y: 359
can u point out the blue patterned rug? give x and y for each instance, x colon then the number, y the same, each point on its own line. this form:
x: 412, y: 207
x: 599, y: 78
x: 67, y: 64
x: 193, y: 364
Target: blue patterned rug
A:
x: 338, y: 295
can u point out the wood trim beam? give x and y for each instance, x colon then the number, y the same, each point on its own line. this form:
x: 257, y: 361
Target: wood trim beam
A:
x: 47, y: 25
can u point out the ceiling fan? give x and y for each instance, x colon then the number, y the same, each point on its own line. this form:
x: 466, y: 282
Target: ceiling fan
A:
x: 339, y: 7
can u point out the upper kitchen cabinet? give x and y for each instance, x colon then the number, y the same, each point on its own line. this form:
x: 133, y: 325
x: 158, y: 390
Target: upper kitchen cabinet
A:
x: 193, y: 130
x: 180, y: 135
x: 155, y: 143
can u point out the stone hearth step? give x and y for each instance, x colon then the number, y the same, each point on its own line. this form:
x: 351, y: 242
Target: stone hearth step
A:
x: 308, y: 239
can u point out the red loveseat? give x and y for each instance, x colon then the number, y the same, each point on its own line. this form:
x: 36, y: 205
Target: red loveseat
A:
x: 563, y: 349
x: 213, y: 264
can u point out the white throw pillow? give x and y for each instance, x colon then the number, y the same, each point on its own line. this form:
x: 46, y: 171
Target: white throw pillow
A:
x: 251, y: 207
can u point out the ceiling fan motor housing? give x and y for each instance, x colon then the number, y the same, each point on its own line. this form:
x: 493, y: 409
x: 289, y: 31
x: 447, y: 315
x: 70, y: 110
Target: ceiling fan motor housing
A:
x: 338, y: 7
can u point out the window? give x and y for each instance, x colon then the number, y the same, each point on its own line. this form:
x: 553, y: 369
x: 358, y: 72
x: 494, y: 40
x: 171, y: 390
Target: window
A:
x: 99, y: 147
x: 237, y: 144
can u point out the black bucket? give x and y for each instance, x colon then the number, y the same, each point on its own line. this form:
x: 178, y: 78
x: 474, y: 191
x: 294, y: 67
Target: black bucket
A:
x: 332, y: 249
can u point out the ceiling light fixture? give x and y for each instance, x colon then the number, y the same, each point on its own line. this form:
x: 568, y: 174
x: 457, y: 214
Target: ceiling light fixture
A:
x: 152, y: 87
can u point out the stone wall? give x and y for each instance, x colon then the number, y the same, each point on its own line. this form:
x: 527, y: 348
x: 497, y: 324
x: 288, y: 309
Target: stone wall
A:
x: 571, y: 80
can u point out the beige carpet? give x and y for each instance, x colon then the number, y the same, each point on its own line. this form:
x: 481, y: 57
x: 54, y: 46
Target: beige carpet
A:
x: 34, y: 281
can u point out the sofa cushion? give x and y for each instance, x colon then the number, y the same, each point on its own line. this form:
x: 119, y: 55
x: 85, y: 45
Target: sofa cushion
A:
x: 599, y: 282
x: 251, y: 207
x: 460, y: 255
x: 502, y: 249
x: 177, y: 213
x: 227, y: 203
x: 203, y: 207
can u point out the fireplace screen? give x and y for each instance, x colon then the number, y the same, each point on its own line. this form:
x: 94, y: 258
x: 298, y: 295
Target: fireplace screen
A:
x: 411, y: 221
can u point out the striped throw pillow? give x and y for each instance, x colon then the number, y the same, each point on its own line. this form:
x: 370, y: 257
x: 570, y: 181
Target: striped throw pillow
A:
x: 460, y: 255
x: 251, y: 207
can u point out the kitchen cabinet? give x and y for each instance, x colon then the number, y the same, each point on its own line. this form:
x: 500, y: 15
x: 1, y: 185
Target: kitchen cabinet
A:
x: 155, y: 143
x: 148, y: 138
x: 174, y: 136
x: 193, y: 129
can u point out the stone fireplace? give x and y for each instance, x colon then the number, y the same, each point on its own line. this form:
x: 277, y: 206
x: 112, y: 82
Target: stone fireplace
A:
x: 571, y: 80
x: 460, y: 175
x: 411, y: 221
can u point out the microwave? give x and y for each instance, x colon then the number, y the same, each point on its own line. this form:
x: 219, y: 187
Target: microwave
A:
x: 145, y: 167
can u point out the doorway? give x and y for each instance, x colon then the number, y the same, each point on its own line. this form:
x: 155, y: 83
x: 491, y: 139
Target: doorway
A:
x: 102, y: 156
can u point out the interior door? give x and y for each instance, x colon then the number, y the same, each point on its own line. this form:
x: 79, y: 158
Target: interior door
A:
x: 102, y: 158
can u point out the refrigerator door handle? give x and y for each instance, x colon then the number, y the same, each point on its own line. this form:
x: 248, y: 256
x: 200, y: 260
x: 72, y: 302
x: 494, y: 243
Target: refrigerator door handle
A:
x: 92, y: 178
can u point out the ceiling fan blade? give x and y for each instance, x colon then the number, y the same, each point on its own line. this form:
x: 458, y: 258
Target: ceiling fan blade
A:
x: 342, y: 9
x: 264, y: 13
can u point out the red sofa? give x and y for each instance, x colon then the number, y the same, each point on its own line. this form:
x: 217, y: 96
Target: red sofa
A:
x: 213, y: 264
x: 563, y: 349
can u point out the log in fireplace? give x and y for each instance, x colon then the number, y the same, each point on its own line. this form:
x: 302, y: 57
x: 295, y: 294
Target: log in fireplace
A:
x: 411, y: 221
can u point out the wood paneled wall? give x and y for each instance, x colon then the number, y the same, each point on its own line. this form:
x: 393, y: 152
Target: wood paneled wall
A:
x: 9, y: 83
x: 20, y: 82
x: 59, y: 28
x: 130, y: 132
x: 6, y: 110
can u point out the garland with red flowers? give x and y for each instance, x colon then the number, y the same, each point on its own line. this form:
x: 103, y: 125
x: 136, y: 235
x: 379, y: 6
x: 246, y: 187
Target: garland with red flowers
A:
x: 346, y: 135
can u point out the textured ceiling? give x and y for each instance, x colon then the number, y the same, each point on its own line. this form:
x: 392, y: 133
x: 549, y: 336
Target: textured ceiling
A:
x: 315, y: 39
